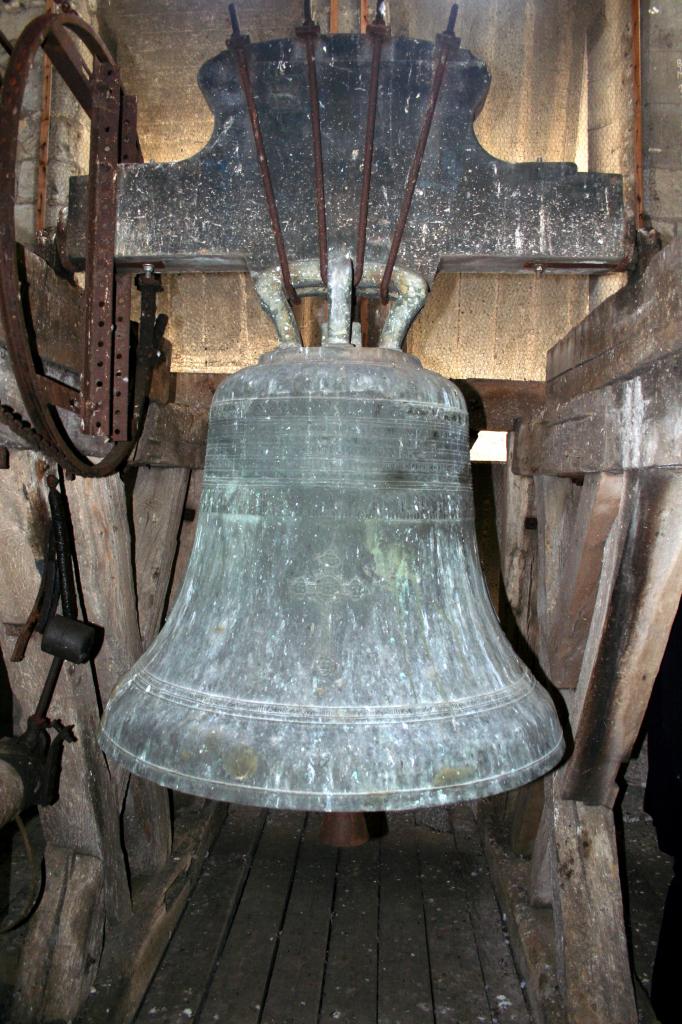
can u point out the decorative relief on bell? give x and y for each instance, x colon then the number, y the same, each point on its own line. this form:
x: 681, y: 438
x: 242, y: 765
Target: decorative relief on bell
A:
x: 324, y: 587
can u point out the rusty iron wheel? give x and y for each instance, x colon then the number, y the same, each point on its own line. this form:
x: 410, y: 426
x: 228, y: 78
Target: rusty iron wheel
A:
x: 41, y: 395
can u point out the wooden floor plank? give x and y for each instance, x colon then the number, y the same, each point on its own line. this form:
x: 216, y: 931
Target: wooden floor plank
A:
x: 296, y: 982
x: 502, y: 983
x: 456, y: 978
x: 350, y: 982
x: 404, y: 991
x: 238, y: 986
x: 284, y: 930
x: 179, y: 984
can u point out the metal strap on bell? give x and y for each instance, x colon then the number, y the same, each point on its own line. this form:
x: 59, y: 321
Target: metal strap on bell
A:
x: 334, y: 647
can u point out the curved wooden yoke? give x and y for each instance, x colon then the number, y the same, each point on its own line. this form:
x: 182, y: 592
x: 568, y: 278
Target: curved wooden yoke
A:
x: 104, y: 401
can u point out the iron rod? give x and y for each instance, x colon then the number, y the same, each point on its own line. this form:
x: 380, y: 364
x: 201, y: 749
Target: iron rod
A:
x: 309, y: 33
x: 447, y: 41
x: 378, y: 31
x: 238, y: 43
x: 61, y: 526
x: 47, y: 692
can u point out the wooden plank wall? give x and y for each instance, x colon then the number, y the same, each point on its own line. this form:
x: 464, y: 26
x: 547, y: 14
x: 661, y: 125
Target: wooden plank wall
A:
x: 495, y: 326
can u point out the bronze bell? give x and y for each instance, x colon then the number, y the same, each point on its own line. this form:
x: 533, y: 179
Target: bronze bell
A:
x: 333, y: 646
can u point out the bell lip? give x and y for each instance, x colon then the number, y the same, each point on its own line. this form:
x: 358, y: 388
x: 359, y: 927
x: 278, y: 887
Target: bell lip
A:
x: 399, y: 800
x: 367, y: 354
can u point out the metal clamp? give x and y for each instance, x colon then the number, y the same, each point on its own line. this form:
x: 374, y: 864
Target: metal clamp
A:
x: 407, y: 290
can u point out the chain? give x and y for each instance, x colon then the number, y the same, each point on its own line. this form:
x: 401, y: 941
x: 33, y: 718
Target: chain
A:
x: 19, y: 426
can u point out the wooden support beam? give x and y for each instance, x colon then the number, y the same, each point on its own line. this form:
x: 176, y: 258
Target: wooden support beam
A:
x: 614, y: 383
x: 525, y: 817
x: 540, y: 882
x: 531, y: 927
x: 518, y: 537
x: 57, y: 311
x: 133, y: 954
x: 630, y: 424
x: 173, y: 435
x: 187, y: 532
x: 158, y: 503
x: 633, y: 328
x: 86, y: 877
x: 103, y: 545
x: 103, y: 549
x: 61, y: 955
x: 592, y: 955
x: 598, y: 504
x: 554, y: 502
x: 517, y: 541
x: 638, y: 596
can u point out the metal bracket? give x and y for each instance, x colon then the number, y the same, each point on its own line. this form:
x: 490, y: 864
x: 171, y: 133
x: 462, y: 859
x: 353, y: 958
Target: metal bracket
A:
x: 407, y: 290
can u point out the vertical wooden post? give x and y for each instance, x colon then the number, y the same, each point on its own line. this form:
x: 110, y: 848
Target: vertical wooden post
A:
x: 518, y: 546
x: 598, y: 505
x: 554, y: 504
x: 592, y: 955
x: 86, y: 877
x: 638, y: 597
x: 158, y: 502
x: 540, y: 885
x: 187, y: 531
x: 103, y: 545
x: 515, y: 511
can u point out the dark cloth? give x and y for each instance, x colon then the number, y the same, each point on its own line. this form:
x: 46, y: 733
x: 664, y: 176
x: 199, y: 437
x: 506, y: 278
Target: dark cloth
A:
x: 665, y: 978
x: 663, y: 801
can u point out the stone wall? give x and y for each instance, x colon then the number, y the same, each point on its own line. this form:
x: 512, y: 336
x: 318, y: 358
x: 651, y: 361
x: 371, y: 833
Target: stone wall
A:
x: 69, y: 126
x: 14, y: 16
